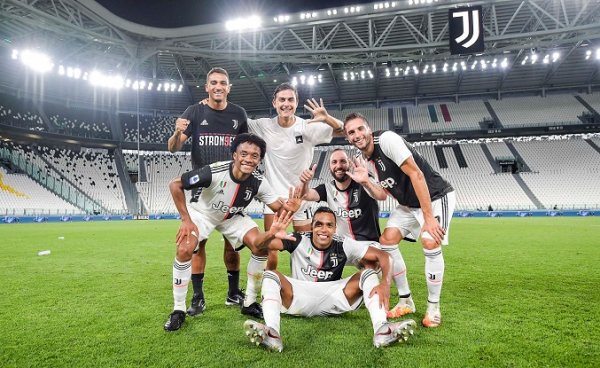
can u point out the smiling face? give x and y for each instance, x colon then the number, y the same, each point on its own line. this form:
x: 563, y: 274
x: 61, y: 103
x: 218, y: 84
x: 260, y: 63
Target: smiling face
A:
x: 217, y: 86
x: 285, y: 103
x: 323, y: 228
x: 339, y: 165
x: 359, y: 134
x: 246, y: 158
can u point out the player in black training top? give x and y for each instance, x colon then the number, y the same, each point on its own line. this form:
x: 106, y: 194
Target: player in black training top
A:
x: 213, y: 127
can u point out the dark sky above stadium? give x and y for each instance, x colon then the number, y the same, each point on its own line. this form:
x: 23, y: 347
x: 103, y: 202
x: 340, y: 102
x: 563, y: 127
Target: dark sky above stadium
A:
x: 181, y: 13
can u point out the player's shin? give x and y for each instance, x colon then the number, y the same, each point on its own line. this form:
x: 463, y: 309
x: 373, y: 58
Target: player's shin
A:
x: 398, y: 270
x: 369, y: 280
x: 434, y: 273
x: 271, y: 292
x: 182, y: 273
x: 256, y: 267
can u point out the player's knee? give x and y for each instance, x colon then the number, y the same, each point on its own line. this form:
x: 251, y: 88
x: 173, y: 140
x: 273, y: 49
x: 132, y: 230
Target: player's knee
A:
x: 429, y: 243
x: 184, y: 252
x: 389, y: 238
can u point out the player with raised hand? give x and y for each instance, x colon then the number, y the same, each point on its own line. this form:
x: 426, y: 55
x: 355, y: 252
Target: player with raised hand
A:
x: 316, y: 287
x: 291, y: 142
x: 212, y: 125
x: 228, y: 188
x: 425, y: 206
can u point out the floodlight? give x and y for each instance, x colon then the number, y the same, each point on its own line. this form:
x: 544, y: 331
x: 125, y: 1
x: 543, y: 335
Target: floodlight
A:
x: 345, y: 75
x: 15, y: 54
x: 61, y: 70
x: 36, y: 61
x: 180, y: 88
x: 159, y: 88
x: 504, y: 63
x: 150, y: 86
x: 77, y: 73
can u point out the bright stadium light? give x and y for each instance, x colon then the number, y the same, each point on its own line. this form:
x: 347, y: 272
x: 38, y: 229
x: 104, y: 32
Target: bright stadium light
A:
x: 483, y: 64
x: 546, y: 59
x: 588, y: 54
x: 525, y: 59
x: 463, y: 65
x: 294, y: 81
x: 534, y: 58
x: 180, y: 88
x: 597, y: 54
x: 15, y: 54
x: 244, y: 24
x: 36, y: 61
x: 150, y: 86
x: 455, y: 66
x: 61, y: 70
x: 159, y: 87
x: 128, y: 83
x: 555, y: 56
x: 504, y: 63
x: 76, y: 73
x: 445, y: 67
x: 345, y: 75
x: 434, y: 68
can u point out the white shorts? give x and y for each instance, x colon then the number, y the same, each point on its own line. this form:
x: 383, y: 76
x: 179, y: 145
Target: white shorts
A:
x: 304, y: 213
x: 410, y: 220
x: 234, y: 229
x: 319, y: 298
x: 366, y: 243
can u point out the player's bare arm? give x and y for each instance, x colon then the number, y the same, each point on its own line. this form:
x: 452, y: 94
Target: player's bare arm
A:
x: 374, y: 255
x: 417, y: 179
x: 176, y: 141
x: 360, y: 174
x: 309, y: 194
x: 187, y: 230
x: 320, y: 114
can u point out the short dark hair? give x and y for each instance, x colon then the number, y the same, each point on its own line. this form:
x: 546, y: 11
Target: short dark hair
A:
x: 323, y: 209
x: 252, y: 139
x: 217, y: 70
x: 283, y: 87
x: 355, y: 115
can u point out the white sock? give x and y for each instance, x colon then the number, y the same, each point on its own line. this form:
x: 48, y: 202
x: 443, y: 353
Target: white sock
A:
x: 182, y: 273
x: 434, y: 273
x: 368, y: 280
x: 256, y: 267
x: 271, y: 304
x: 398, y: 270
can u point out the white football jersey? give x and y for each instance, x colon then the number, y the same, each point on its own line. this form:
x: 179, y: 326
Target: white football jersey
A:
x: 224, y: 197
x: 289, y: 150
x: 310, y: 264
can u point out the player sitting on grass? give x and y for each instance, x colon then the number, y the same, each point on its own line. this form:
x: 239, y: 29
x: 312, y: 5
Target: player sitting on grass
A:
x: 229, y: 187
x: 316, y: 286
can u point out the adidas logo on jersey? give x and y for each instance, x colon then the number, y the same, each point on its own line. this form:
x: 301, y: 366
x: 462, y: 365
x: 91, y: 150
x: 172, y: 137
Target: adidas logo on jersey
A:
x: 204, y: 122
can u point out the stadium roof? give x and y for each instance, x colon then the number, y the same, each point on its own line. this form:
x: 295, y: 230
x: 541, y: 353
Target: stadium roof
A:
x: 367, y: 41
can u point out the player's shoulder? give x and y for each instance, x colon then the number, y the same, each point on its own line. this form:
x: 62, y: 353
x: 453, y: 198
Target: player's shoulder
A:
x: 235, y: 107
x: 258, y: 175
x: 338, y: 239
x: 219, y: 166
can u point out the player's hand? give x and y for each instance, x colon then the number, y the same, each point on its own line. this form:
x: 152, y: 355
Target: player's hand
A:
x: 433, y: 228
x: 187, y: 234
x: 281, y: 221
x: 307, y: 175
x: 203, y: 102
x: 181, y: 125
x: 383, y: 291
x: 294, y: 200
x: 358, y: 170
x: 318, y: 110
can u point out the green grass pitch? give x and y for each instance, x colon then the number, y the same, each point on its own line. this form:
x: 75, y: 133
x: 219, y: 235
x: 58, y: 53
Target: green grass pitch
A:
x: 518, y: 292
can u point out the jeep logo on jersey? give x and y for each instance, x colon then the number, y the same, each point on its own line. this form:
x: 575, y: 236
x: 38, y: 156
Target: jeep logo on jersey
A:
x: 247, y: 194
x: 228, y: 209
x: 381, y: 164
x: 466, y: 30
x: 348, y: 213
x: 320, y: 274
x: 387, y: 183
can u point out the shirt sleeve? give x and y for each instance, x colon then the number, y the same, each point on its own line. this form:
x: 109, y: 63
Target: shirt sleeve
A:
x: 189, y: 115
x: 198, y: 178
x: 354, y: 250
x: 320, y: 189
x: 266, y: 194
x: 394, y: 147
x: 291, y: 245
x: 254, y: 127
x: 318, y: 133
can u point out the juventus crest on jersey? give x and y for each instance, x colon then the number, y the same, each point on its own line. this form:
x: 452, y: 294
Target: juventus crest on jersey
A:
x: 312, y: 264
